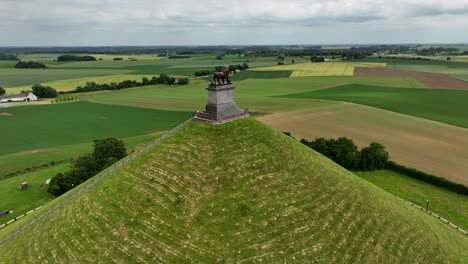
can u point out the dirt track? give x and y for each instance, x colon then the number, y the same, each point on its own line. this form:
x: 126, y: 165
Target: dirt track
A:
x: 431, y: 80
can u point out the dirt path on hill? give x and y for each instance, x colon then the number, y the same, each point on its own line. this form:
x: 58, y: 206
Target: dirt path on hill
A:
x: 431, y: 80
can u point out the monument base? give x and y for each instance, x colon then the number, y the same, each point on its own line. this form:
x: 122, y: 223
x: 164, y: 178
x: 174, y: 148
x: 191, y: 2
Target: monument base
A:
x: 221, y: 107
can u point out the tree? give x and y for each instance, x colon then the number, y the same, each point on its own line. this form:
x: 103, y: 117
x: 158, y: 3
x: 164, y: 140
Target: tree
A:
x: 345, y: 153
x: 107, y: 148
x: 373, y: 157
x: 44, y: 91
x: 219, y: 57
x: 2, y: 91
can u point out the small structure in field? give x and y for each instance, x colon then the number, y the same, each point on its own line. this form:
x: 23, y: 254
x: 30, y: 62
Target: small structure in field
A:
x: 24, y: 96
x: 24, y: 185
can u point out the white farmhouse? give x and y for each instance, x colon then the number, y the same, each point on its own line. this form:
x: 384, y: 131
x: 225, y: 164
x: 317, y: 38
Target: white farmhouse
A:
x: 21, y: 97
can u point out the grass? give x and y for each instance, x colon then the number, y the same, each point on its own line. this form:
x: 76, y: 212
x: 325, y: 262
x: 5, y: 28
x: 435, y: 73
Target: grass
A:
x: 79, y: 122
x: 321, y: 69
x: 20, y: 161
x: 445, y: 203
x: 447, y: 106
x: 21, y: 201
x: 203, y: 195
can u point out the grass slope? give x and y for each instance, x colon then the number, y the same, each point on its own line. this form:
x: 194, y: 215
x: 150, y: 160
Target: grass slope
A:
x: 45, y: 126
x: 21, y: 201
x: 445, y: 203
x: 447, y: 106
x: 232, y: 193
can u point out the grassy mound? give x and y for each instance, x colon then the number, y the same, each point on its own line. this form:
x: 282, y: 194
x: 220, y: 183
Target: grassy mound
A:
x: 231, y: 193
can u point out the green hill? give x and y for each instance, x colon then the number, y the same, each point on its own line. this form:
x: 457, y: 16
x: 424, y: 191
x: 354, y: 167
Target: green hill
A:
x: 238, y: 192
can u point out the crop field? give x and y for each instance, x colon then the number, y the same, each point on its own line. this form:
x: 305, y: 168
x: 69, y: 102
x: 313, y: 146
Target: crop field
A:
x: 71, y: 84
x: 21, y: 201
x: 20, y: 161
x: 29, y: 77
x: 445, y: 203
x: 447, y: 106
x: 457, y: 69
x: 321, y: 69
x: 254, y: 94
x: 430, y: 146
x: 431, y: 80
x: 283, y: 201
x: 79, y: 122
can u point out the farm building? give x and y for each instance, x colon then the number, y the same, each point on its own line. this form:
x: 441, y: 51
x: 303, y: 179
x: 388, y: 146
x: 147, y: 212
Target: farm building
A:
x: 21, y: 97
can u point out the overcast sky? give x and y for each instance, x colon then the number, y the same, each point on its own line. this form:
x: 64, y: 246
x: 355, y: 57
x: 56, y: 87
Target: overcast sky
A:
x: 231, y: 22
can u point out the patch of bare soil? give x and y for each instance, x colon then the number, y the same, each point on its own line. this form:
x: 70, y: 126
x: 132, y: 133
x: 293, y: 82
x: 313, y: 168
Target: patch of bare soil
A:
x: 5, y: 114
x: 431, y: 80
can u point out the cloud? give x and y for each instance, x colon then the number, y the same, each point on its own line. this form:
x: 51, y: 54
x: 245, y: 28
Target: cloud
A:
x: 112, y: 18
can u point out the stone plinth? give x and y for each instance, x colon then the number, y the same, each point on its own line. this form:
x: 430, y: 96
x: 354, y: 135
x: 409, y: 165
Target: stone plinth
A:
x: 221, y: 106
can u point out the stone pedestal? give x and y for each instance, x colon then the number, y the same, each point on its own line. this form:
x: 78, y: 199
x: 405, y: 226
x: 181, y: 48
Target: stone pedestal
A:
x: 221, y: 106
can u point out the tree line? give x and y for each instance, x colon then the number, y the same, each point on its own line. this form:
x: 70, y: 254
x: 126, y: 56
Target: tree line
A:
x: 106, y: 152
x: 75, y: 58
x: 241, y: 67
x: 8, y: 57
x: 344, y: 152
x: 162, y: 79
x: 30, y: 65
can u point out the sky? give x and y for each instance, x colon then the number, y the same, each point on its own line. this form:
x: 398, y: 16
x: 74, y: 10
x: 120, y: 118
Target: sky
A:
x: 231, y: 22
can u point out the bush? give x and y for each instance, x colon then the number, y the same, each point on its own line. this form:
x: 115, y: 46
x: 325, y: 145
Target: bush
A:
x: 373, y: 157
x: 342, y: 151
x: 29, y: 65
x: 44, y: 91
x: 428, y: 178
x: 2, y: 91
x: 117, y: 59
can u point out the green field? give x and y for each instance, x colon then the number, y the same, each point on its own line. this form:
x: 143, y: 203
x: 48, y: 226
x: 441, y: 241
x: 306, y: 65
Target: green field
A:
x: 204, y: 196
x: 21, y: 201
x: 447, y: 106
x: 448, y: 204
x: 29, y: 77
x: 47, y: 126
x: 72, y: 84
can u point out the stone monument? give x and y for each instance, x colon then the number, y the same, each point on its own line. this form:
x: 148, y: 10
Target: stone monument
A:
x: 221, y: 107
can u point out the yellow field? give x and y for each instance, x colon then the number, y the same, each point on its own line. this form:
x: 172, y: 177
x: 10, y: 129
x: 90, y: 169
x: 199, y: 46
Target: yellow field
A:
x: 71, y: 84
x: 321, y: 69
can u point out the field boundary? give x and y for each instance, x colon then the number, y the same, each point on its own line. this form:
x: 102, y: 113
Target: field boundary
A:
x: 109, y: 171
x: 437, y: 216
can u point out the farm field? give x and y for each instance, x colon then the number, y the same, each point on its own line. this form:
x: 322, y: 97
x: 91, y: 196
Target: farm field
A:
x: 321, y: 69
x: 447, y: 106
x: 21, y: 201
x: 431, y: 80
x: 254, y: 94
x: 28, y: 77
x: 457, y: 69
x: 71, y: 84
x: 19, y: 161
x: 439, y: 150
x: 284, y: 191
x: 445, y: 203
x: 78, y: 122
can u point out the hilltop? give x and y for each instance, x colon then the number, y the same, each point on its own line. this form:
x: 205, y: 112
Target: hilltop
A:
x: 230, y: 193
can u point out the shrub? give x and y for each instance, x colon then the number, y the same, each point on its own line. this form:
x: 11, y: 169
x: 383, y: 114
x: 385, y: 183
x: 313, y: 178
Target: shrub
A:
x: 29, y: 65
x: 428, y: 178
x: 373, y: 157
x: 2, y: 91
x: 44, y: 91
